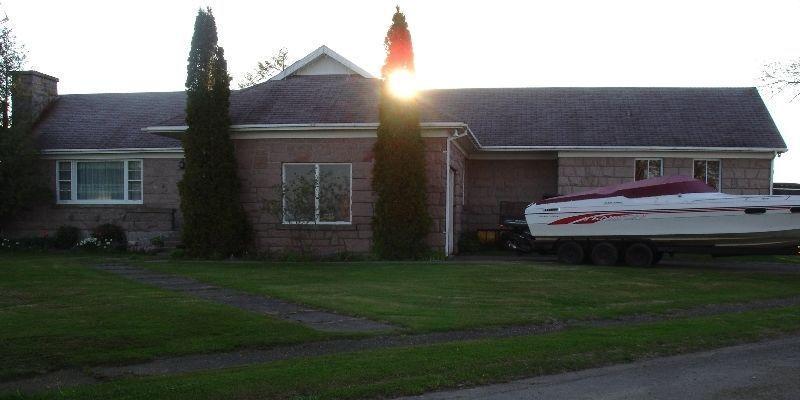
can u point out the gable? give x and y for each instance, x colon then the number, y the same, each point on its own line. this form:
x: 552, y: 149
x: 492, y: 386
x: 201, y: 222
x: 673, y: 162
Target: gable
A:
x: 324, y: 66
x: 322, y: 61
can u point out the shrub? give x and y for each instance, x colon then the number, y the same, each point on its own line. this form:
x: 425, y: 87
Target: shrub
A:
x: 26, y: 243
x: 469, y: 242
x: 177, y: 254
x: 66, y: 237
x: 110, y: 234
x: 157, y: 241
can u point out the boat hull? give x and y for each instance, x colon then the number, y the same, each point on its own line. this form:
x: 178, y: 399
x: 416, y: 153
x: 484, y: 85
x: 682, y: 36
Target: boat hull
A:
x: 680, y: 220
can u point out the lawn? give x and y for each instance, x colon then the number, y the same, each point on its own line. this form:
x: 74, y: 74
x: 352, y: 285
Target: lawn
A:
x: 56, y: 312
x: 393, y: 372
x: 446, y: 296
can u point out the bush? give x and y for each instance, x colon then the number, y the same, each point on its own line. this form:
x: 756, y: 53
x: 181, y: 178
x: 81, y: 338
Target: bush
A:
x: 66, y: 237
x: 177, y: 254
x: 157, y: 241
x: 469, y: 242
x: 110, y: 233
x: 26, y: 243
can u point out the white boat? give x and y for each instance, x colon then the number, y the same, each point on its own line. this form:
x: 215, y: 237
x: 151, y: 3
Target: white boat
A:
x: 663, y: 214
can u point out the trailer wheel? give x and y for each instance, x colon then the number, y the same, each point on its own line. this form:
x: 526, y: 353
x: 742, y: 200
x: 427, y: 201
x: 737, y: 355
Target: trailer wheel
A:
x: 657, y: 257
x: 605, y: 254
x: 639, y: 255
x: 570, y: 252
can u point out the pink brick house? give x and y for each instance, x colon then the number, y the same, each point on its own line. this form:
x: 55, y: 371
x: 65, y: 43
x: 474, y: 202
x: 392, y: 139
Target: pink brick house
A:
x: 117, y: 157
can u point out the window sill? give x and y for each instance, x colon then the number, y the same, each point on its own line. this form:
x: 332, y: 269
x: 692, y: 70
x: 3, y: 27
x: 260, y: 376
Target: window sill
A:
x: 99, y: 203
x: 340, y: 226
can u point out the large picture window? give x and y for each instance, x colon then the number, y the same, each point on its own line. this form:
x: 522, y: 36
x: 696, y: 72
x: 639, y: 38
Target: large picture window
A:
x: 317, y: 193
x: 647, y: 168
x: 99, y: 181
x: 708, y: 171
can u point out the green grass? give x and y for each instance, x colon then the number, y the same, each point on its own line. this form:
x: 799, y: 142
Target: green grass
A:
x: 446, y: 296
x: 393, y: 372
x: 779, y: 259
x: 56, y: 312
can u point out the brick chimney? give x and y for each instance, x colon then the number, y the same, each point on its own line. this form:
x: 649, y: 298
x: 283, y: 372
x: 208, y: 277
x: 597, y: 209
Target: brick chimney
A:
x: 31, y: 92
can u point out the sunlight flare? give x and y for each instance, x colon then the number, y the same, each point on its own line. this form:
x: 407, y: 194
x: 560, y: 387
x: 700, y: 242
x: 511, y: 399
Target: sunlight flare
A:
x: 402, y: 83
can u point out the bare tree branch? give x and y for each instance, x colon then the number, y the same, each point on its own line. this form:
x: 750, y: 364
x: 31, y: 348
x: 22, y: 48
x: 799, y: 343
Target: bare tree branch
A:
x: 265, y: 69
x: 778, y: 78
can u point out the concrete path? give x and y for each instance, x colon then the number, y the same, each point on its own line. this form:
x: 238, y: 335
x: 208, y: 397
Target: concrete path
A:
x: 312, y: 318
x: 767, y: 370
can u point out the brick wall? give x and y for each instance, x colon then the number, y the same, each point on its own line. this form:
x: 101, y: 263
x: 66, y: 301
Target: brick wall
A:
x: 739, y: 175
x: 159, y: 215
x: 260, y: 169
x: 490, y: 182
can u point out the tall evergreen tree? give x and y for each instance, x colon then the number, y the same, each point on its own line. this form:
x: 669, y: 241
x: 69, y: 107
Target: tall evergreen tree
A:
x: 12, y: 58
x: 23, y: 182
x: 214, y: 222
x: 401, y: 222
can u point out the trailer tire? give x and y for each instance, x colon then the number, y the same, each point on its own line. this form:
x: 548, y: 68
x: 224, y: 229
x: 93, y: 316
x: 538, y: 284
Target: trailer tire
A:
x: 639, y: 255
x: 570, y: 252
x: 657, y: 257
x: 605, y: 254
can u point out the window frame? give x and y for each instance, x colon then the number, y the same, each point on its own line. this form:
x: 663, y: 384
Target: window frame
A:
x: 719, y: 175
x: 661, y: 169
x: 74, y: 182
x: 316, y: 196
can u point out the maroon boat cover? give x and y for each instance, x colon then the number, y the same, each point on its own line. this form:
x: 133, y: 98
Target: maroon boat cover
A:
x: 661, y: 186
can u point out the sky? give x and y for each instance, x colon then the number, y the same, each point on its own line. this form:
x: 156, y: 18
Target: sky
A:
x: 131, y: 46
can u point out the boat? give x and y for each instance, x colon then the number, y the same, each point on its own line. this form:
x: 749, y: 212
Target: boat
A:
x: 640, y: 221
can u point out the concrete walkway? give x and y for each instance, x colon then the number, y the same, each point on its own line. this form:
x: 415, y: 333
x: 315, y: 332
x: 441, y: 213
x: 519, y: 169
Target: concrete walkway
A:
x: 767, y: 370
x: 320, y: 320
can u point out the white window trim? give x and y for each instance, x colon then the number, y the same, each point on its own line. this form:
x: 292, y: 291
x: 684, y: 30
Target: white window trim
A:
x: 706, y: 160
x: 74, y: 183
x: 316, y: 197
x: 648, y: 166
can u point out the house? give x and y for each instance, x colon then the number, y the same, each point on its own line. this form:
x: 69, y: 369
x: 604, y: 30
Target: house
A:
x: 117, y: 157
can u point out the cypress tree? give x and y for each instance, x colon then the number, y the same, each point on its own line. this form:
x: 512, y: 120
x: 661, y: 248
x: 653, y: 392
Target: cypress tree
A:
x: 214, y: 222
x: 401, y: 222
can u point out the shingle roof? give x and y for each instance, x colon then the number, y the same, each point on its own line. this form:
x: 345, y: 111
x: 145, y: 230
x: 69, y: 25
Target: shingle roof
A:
x: 670, y: 117
x: 323, y: 99
x: 108, y: 120
x: 673, y: 117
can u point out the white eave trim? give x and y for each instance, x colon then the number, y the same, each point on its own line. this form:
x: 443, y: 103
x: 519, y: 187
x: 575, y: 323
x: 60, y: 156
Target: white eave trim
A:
x: 632, y: 148
x: 315, y: 131
x: 136, y: 152
x: 303, y: 127
x: 320, y: 52
x: 115, y: 150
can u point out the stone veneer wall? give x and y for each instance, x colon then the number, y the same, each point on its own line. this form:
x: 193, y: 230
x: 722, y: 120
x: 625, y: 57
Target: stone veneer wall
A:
x: 159, y: 215
x: 458, y: 162
x: 490, y: 182
x: 739, y: 175
x: 260, y: 169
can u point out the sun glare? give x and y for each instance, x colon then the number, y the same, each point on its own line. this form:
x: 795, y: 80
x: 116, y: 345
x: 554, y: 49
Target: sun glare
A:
x: 403, y: 84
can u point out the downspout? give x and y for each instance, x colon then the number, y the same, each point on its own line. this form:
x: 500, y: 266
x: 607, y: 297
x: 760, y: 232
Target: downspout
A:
x: 449, y: 197
x: 772, y: 172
